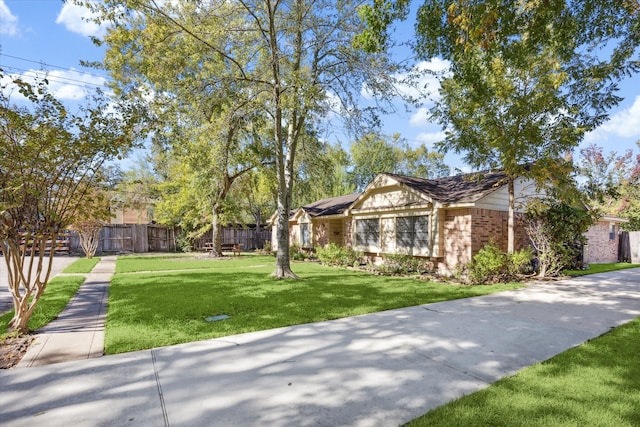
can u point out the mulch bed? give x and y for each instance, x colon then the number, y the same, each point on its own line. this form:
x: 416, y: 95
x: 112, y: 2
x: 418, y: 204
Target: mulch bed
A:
x: 12, y: 349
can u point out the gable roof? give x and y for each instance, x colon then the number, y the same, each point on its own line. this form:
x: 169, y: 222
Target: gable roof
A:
x: 454, y: 189
x: 330, y: 206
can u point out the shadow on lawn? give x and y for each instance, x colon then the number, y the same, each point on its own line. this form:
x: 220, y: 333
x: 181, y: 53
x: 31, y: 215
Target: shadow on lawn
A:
x: 176, y: 305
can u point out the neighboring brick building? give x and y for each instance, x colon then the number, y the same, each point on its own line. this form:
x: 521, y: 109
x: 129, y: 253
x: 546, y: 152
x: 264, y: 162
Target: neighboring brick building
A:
x: 603, y: 238
x: 446, y: 220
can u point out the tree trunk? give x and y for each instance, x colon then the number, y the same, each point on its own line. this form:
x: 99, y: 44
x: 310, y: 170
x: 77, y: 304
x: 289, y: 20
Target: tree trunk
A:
x: 511, y: 220
x: 216, y: 232
x: 28, y: 275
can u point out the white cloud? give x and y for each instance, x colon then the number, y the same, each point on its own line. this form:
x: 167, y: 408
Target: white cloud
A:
x: 420, y: 82
x: 430, y: 138
x: 79, y: 19
x: 423, y: 80
x: 8, y: 21
x: 420, y: 118
x: 65, y: 85
x: 625, y: 123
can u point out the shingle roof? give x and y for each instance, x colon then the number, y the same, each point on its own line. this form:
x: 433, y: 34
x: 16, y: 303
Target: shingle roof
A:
x: 330, y: 206
x: 453, y: 189
x: 460, y: 188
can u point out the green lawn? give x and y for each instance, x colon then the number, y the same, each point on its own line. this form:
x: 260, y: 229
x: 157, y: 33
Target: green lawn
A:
x: 595, y: 384
x: 601, y: 268
x: 55, y: 298
x: 162, y: 308
x: 82, y: 266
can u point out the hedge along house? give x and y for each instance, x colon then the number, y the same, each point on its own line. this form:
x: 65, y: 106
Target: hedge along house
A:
x: 445, y: 220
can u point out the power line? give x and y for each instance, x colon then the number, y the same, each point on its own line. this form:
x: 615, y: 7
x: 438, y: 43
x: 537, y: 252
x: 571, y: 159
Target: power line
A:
x: 58, y: 78
x: 44, y: 64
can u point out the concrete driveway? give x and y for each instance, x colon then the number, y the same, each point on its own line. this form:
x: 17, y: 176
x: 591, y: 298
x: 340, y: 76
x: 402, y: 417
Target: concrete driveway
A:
x: 381, y: 369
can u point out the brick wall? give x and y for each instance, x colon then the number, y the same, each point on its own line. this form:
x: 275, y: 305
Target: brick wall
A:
x: 601, y: 248
x: 457, y: 237
x: 466, y: 231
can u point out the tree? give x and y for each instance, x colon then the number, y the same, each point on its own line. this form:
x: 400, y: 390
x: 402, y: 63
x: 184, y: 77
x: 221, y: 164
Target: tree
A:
x: 89, y: 233
x: 527, y: 79
x: 321, y: 172
x: 373, y: 154
x: 284, y: 57
x: 556, y: 232
x: 50, y: 170
x: 203, y: 112
x: 611, y: 182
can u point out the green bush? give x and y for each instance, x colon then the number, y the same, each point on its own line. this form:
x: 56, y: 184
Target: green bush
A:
x: 333, y: 254
x: 488, y: 265
x: 183, y: 242
x: 491, y: 265
x: 296, y: 254
x: 404, y: 264
x: 520, y: 262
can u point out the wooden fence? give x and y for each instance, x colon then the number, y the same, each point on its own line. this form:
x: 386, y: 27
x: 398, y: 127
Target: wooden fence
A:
x: 126, y: 238
x: 249, y: 237
x: 141, y: 238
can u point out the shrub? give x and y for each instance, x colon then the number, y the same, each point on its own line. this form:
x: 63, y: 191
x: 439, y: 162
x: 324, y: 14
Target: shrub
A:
x: 184, y: 242
x: 266, y: 249
x: 333, y: 254
x: 520, y: 262
x: 404, y: 264
x: 491, y: 265
x: 296, y: 254
x: 488, y: 265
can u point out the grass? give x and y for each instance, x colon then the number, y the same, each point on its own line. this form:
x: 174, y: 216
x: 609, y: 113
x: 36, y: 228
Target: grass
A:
x: 595, y: 384
x: 601, y: 268
x: 156, y: 309
x: 82, y: 266
x: 55, y: 298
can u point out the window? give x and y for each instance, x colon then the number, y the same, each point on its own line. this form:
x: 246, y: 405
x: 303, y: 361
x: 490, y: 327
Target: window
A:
x: 412, y: 232
x: 304, y: 235
x: 368, y: 232
x: 612, y: 231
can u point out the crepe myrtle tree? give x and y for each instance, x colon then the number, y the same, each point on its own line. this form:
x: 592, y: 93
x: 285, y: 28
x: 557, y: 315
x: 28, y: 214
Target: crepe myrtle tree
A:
x: 50, y: 167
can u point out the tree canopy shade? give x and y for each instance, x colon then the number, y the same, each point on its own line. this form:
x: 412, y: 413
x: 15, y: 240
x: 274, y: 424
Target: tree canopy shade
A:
x: 50, y: 176
x: 288, y: 62
x: 527, y: 78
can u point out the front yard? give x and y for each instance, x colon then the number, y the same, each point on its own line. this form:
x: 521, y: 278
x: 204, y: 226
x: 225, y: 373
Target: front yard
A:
x: 158, y: 301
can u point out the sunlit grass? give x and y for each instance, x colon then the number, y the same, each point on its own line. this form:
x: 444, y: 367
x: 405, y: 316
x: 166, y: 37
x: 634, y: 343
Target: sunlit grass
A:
x: 155, y: 309
x: 601, y: 268
x: 55, y: 298
x: 82, y: 265
x: 595, y: 384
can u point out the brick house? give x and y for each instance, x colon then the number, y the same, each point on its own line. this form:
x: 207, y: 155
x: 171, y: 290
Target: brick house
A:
x: 446, y: 220
x: 603, y: 240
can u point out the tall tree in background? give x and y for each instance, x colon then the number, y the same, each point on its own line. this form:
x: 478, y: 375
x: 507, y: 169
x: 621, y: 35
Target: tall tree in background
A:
x: 173, y: 55
x: 283, y: 57
x: 611, y: 182
x: 527, y: 79
x: 50, y: 175
x: 373, y: 154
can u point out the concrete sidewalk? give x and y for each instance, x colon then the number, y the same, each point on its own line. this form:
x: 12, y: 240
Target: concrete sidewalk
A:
x: 381, y: 369
x: 78, y: 333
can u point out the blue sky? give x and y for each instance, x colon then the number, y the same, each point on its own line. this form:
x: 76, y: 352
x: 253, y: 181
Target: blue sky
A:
x: 50, y: 35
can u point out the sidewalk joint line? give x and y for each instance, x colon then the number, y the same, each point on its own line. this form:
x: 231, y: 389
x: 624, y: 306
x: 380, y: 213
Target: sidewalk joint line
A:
x: 160, y: 394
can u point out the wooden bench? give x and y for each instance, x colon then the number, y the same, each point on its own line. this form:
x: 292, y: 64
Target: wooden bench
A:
x: 236, y: 248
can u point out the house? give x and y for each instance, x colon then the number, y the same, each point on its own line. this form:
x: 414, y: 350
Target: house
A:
x: 603, y: 240
x: 446, y: 220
